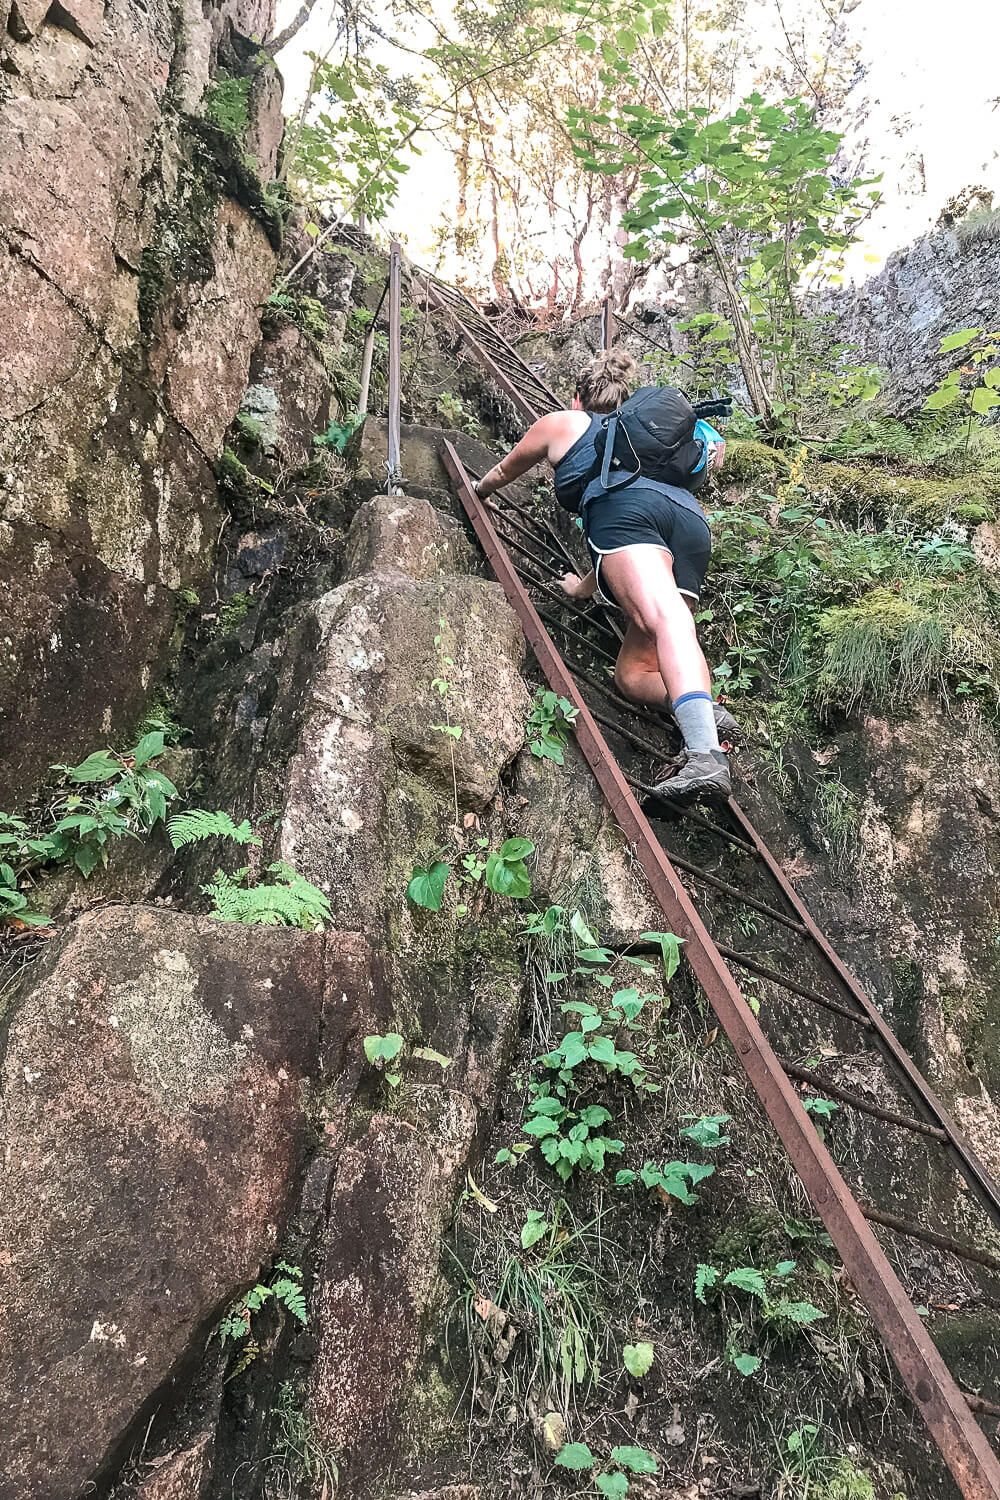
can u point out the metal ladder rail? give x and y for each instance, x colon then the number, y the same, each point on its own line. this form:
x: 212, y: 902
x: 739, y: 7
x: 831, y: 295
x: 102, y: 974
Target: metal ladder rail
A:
x: 944, y: 1408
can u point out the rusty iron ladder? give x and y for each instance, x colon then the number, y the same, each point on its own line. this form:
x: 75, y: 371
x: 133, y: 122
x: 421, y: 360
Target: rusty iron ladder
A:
x: 945, y: 1408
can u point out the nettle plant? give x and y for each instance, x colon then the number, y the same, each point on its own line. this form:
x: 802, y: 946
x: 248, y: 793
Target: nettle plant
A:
x: 610, y: 1475
x: 548, y: 725
x: 973, y: 384
x: 109, y: 796
x: 760, y: 1295
x: 567, y: 1118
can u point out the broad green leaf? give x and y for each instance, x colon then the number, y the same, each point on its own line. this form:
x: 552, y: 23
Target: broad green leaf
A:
x: 507, y: 877
x: 535, y: 1227
x: 638, y: 1359
x: 959, y: 340
x: 670, y: 948
x: 383, y: 1048
x: 86, y: 858
x: 575, y: 1456
x: 612, y: 1485
x: 636, y: 1460
x: 983, y: 400
x: 515, y: 849
x: 746, y: 1364
x: 426, y: 887
x: 540, y: 1126
x: 581, y: 931
x: 148, y: 748
x: 707, y: 1131
x: 546, y: 1106
x: 100, y: 766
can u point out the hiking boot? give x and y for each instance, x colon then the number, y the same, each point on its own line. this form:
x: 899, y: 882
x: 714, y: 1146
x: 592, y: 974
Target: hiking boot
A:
x: 725, y: 723
x: 705, y: 774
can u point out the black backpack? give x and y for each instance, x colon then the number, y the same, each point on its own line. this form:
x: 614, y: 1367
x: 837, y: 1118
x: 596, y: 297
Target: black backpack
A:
x: 651, y: 436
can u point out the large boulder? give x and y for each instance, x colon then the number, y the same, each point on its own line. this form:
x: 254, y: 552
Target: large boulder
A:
x: 152, y: 1134
x: 371, y: 731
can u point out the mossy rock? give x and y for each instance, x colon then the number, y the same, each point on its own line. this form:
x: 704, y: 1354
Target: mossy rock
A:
x: 856, y: 491
x: 751, y: 462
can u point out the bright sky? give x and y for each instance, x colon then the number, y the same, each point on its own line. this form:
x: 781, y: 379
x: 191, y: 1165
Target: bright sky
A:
x: 928, y: 104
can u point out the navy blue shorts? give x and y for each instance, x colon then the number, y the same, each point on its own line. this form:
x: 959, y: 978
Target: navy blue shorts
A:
x: 640, y: 514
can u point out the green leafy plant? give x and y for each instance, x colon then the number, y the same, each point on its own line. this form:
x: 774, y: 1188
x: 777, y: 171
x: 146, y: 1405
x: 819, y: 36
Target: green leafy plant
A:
x: 807, y: 1472
x: 309, y: 314
x: 762, y: 1290
x: 535, y: 1227
x: 284, y: 1288
x: 707, y: 1131
x: 611, y: 1475
x: 453, y: 410
x: 506, y: 871
x: 755, y: 189
x: 673, y: 1180
x: 385, y: 1053
x: 638, y: 1359
x: 382, y: 1050
x: 297, y: 1456
x: 975, y: 383
x: 226, y: 103
x: 427, y: 883
x: 347, y: 148
x: 289, y: 900
x: 549, y: 724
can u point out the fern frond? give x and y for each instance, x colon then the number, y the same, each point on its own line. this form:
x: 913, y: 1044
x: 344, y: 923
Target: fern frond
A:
x: 197, y: 823
x: 291, y: 1296
x: 292, y: 902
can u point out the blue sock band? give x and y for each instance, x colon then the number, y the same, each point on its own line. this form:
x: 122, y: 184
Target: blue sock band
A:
x: 689, y: 697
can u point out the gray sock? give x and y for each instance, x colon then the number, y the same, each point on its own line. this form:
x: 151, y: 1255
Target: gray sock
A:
x: 695, y: 715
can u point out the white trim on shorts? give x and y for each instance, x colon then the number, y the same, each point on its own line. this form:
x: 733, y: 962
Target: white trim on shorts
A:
x: 607, y: 551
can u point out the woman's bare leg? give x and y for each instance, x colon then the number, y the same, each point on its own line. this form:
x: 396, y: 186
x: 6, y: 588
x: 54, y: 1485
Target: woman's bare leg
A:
x: 660, y: 658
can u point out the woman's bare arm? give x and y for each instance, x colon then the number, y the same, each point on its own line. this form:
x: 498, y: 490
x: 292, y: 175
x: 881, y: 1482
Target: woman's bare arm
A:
x: 531, y: 450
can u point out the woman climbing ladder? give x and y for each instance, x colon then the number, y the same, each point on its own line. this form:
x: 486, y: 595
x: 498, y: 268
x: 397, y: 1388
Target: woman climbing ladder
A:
x: 649, y: 544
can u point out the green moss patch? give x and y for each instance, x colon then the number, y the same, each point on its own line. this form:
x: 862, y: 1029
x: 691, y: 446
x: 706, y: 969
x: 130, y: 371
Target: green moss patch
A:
x: 755, y: 464
x: 874, y: 493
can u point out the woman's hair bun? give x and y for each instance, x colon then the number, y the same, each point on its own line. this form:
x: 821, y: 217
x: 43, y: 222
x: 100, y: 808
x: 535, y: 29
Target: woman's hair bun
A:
x: 616, y: 364
x: 606, y: 380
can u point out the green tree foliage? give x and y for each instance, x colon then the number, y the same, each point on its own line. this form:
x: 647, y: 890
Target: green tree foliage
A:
x: 755, y: 189
x: 351, y: 145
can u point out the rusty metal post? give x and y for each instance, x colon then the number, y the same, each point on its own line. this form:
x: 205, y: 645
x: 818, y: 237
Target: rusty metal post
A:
x: 393, y: 464
x: 959, y: 1438
x: 609, y: 331
x: 365, y: 378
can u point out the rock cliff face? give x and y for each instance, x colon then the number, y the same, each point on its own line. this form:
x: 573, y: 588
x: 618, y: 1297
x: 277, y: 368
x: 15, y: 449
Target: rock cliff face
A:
x: 947, y: 279
x: 130, y: 278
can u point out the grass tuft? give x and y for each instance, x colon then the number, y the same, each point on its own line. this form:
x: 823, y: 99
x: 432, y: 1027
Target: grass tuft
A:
x: 894, y: 644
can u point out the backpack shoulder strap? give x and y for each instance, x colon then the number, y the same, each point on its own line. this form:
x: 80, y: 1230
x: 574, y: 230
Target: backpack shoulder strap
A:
x: 607, y: 482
